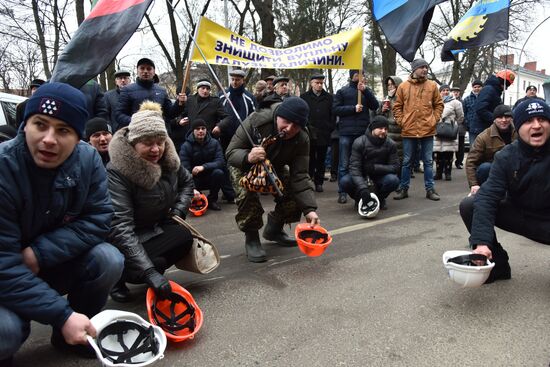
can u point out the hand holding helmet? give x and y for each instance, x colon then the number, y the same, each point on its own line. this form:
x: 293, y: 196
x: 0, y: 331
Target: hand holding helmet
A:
x: 313, y: 219
x: 158, y: 282
x: 367, y: 199
x: 368, y: 205
x: 76, y: 328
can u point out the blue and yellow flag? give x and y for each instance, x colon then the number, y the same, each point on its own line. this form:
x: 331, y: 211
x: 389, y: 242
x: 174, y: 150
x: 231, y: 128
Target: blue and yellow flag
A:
x: 486, y: 22
x: 404, y: 23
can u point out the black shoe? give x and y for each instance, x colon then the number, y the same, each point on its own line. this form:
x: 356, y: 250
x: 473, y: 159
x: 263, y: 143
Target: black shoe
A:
x: 458, y: 165
x: 342, y: 198
x: 448, y: 177
x: 438, y: 176
x: 333, y: 178
x: 319, y: 188
x: 383, y: 205
x: 273, y: 231
x: 214, y: 205
x: 81, y: 350
x: 402, y: 194
x: 412, y: 174
x: 432, y: 195
x: 121, y: 293
x: 253, y: 247
x: 501, y: 271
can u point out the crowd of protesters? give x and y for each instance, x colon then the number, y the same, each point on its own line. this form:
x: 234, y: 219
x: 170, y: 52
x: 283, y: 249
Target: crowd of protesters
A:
x: 90, y: 181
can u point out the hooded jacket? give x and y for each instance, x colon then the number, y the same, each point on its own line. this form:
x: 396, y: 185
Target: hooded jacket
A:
x: 74, y: 219
x: 293, y: 153
x: 143, y: 194
x: 352, y: 123
x: 486, y: 102
x: 417, y: 108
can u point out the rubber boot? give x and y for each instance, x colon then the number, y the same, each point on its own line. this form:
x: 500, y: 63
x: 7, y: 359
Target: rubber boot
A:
x: 273, y: 231
x: 254, y: 251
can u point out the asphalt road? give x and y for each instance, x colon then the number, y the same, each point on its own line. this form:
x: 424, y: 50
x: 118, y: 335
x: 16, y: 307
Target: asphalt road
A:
x: 379, y: 296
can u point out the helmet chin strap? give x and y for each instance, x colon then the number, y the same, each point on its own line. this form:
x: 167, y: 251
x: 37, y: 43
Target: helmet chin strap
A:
x: 145, y: 342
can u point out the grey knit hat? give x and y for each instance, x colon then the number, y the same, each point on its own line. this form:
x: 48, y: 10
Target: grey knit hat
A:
x: 147, y: 122
x: 418, y: 63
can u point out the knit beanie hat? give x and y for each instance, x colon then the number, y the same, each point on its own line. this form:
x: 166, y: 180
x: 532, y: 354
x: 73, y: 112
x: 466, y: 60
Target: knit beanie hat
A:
x: 197, y: 123
x: 477, y: 82
x: 378, y: 122
x: 147, y: 122
x: 95, y: 125
x: 443, y: 86
x: 417, y: 63
x: 352, y: 72
x: 294, y: 109
x: 61, y: 101
x: 502, y: 110
x: 530, y: 108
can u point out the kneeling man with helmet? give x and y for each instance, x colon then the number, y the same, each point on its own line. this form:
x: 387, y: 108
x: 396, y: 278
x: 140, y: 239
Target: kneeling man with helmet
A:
x: 516, y: 196
x: 373, y: 156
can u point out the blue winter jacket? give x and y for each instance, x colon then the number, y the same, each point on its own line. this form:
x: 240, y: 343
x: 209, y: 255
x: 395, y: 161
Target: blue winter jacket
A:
x: 134, y: 94
x: 519, y: 174
x: 486, y: 101
x: 209, y: 154
x: 76, y: 218
x: 353, y: 123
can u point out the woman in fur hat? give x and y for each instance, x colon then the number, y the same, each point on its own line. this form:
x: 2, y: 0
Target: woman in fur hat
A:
x: 147, y: 185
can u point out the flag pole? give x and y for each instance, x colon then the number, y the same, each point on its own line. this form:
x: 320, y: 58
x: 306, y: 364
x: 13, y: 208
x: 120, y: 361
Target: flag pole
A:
x: 186, y: 76
x: 222, y: 89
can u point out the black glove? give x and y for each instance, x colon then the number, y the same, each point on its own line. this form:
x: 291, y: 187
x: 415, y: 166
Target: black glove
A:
x: 369, y: 167
x: 158, y: 282
x: 368, y: 200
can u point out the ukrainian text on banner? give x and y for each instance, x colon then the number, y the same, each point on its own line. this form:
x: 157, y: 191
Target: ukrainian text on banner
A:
x: 223, y: 47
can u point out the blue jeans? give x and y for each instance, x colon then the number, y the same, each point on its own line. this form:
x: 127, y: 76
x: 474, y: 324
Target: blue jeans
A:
x: 426, y: 149
x: 482, y: 172
x: 344, y: 148
x: 87, y: 279
x: 385, y: 185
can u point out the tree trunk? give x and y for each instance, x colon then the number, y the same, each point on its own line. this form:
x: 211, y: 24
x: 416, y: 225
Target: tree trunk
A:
x: 41, y: 40
x: 265, y: 12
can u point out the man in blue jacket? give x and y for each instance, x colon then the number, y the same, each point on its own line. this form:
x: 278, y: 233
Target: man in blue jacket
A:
x: 143, y: 89
x: 55, y: 214
x: 516, y: 196
x: 202, y: 155
x: 354, y: 120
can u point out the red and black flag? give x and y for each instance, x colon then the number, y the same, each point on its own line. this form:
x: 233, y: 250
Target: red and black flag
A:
x: 98, y: 40
x: 404, y: 23
x: 485, y: 23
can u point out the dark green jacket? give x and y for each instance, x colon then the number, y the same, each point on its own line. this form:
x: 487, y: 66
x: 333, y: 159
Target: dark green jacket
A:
x: 293, y: 152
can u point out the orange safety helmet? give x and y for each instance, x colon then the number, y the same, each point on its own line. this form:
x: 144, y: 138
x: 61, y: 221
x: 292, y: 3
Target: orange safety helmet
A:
x: 198, y: 205
x: 508, y: 75
x: 312, y: 241
x: 178, y: 316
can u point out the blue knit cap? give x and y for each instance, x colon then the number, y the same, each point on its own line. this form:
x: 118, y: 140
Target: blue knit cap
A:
x: 294, y: 109
x: 532, y: 107
x: 60, y: 101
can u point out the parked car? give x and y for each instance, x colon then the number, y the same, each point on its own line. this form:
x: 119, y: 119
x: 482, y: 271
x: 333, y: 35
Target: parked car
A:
x: 8, y: 102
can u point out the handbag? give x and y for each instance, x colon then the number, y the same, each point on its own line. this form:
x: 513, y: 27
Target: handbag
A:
x: 203, y: 256
x: 446, y: 130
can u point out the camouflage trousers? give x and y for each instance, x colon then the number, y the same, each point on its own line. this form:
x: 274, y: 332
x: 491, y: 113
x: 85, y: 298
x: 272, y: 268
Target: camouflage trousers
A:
x: 249, y: 207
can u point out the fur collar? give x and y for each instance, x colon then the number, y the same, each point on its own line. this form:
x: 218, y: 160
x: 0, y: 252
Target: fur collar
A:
x: 139, y: 171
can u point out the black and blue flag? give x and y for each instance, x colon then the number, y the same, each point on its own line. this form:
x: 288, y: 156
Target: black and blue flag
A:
x: 404, y: 23
x: 486, y: 22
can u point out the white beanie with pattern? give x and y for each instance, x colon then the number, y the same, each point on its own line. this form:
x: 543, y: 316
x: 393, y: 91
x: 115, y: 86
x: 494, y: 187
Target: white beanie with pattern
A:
x: 147, y: 122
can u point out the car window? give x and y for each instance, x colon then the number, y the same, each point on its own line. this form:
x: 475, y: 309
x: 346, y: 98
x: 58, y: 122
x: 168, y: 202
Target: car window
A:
x: 9, y: 112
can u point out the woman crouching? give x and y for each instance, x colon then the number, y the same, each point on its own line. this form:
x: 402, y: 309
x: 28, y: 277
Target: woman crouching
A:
x: 147, y: 186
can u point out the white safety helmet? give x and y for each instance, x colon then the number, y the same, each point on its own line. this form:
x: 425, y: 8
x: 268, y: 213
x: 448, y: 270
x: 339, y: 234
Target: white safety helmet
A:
x: 369, y: 210
x: 124, y: 339
x: 462, y: 270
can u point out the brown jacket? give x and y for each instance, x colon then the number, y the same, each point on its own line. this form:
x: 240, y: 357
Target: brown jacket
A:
x: 417, y: 108
x: 487, y: 143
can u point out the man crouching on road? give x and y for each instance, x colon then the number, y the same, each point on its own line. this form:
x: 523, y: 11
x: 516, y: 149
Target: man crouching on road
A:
x: 55, y: 214
x: 373, y: 156
x: 516, y: 196
x: 287, y: 120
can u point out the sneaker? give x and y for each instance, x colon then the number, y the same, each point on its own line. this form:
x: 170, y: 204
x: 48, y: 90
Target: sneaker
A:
x: 432, y: 195
x: 458, y: 165
x: 81, y: 350
x: 342, y: 198
x: 319, y: 188
x: 333, y: 178
x: 402, y: 194
x: 214, y: 206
